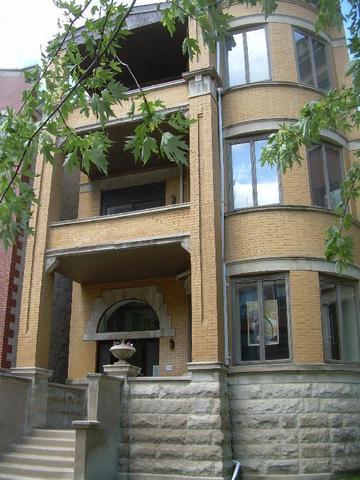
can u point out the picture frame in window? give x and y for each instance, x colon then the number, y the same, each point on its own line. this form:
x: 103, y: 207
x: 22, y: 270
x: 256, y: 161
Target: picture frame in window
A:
x: 235, y: 333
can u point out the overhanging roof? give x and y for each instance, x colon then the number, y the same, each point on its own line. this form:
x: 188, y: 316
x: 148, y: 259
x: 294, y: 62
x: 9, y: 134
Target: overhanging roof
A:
x: 127, y: 261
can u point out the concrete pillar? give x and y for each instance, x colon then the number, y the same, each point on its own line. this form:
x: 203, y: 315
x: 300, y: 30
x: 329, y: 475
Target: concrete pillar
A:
x: 38, y: 401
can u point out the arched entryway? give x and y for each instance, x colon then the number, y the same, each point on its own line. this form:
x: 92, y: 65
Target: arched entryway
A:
x: 136, y: 320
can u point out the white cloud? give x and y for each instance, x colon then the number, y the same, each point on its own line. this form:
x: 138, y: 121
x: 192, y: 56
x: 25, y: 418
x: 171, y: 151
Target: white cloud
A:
x: 25, y: 27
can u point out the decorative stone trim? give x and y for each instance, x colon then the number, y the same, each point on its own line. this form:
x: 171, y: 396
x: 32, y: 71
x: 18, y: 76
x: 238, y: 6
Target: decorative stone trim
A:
x: 149, y: 295
x: 275, y: 264
x: 268, y: 125
x: 203, y: 81
x: 259, y: 18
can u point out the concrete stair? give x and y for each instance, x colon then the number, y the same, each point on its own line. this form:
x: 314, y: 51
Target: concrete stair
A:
x: 46, y: 454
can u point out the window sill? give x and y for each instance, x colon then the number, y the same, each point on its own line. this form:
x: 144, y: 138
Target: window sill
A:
x: 279, y: 206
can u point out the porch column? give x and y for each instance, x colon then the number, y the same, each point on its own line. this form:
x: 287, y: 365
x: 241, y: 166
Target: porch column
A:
x: 37, y: 293
x: 206, y: 267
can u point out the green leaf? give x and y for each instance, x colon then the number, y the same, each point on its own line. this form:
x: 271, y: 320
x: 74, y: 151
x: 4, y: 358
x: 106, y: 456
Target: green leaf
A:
x: 174, y: 148
x: 149, y: 147
x: 190, y: 47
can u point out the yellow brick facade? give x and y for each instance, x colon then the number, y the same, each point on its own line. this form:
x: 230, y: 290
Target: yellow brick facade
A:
x: 82, y: 357
x: 292, y: 230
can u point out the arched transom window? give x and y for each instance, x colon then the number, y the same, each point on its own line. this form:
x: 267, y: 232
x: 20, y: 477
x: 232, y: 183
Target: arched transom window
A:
x: 130, y: 315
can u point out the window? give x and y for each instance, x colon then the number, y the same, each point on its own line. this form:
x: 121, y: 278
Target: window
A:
x: 313, y: 65
x: 340, y: 316
x: 252, y: 184
x: 247, y: 57
x: 133, y: 198
x: 326, y: 175
x: 260, y: 327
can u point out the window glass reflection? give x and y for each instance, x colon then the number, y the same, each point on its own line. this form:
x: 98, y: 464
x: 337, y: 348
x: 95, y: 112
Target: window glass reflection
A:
x: 236, y: 59
x: 266, y: 178
x: 247, y: 57
x: 242, y: 176
x: 257, y: 55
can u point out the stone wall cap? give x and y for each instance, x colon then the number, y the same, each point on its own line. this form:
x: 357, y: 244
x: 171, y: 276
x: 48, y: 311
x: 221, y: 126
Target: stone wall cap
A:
x: 284, y: 368
x: 102, y: 376
x: 86, y: 424
x: 15, y: 378
x: 206, y: 366
x: 185, y: 378
x: 31, y: 371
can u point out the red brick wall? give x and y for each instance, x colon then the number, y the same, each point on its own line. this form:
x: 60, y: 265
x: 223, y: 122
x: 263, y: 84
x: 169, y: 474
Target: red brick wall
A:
x: 12, y: 84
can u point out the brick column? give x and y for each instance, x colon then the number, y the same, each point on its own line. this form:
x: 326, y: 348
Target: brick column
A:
x: 306, y: 317
x: 206, y: 267
x: 36, y: 302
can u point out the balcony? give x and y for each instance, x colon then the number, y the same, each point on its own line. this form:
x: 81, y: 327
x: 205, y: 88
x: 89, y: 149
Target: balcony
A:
x: 128, y: 246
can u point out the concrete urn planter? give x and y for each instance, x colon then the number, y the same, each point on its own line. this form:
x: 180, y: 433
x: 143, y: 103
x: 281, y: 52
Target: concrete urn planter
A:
x: 122, y: 351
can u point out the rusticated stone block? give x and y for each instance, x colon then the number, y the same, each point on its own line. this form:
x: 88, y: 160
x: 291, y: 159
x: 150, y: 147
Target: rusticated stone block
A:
x: 203, y: 452
x: 204, y: 421
x: 316, y: 450
x: 312, y: 435
x: 315, y: 465
x: 313, y: 420
x: 172, y: 421
x: 144, y: 420
x: 150, y: 435
x: 282, y: 466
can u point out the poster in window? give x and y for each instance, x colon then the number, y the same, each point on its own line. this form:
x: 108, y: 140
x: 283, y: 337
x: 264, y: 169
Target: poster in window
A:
x: 271, y: 323
x: 253, y: 323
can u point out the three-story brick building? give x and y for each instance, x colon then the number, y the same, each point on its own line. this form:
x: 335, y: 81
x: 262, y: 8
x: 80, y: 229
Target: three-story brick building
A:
x: 247, y: 338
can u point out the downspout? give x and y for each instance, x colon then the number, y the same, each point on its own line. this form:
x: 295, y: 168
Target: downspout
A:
x: 222, y: 208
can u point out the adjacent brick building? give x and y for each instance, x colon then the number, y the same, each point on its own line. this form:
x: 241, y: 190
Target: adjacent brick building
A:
x: 12, y: 84
x: 247, y: 338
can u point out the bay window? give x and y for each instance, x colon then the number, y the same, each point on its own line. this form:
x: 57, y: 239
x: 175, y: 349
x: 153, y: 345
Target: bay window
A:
x: 340, y: 317
x: 326, y: 175
x: 251, y: 183
x: 260, y: 326
x: 247, y: 57
x: 312, y: 60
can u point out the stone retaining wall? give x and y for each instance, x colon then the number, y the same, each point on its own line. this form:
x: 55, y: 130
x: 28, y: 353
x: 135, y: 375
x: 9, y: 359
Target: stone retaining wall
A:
x: 295, y: 423
x: 65, y: 404
x: 175, y: 428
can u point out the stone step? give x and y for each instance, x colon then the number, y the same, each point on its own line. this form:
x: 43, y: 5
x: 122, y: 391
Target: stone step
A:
x: 48, y: 441
x: 48, y: 433
x: 42, y: 450
x: 38, y: 459
x: 8, y: 476
x: 36, y: 472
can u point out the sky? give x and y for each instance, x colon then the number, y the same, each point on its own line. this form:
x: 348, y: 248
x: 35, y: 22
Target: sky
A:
x: 26, y: 26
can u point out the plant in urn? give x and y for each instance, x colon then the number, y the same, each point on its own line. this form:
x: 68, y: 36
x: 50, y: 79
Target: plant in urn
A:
x: 122, y: 351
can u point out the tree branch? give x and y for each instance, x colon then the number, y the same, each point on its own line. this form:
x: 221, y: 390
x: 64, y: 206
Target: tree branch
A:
x: 54, y: 56
x: 65, y: 99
